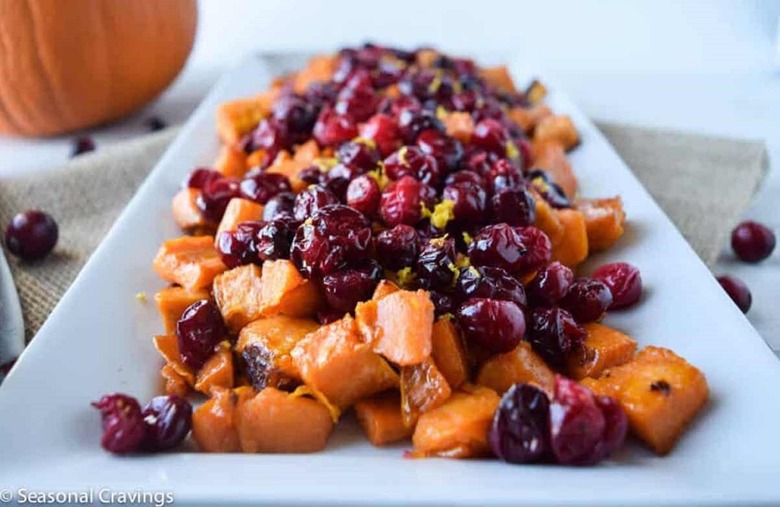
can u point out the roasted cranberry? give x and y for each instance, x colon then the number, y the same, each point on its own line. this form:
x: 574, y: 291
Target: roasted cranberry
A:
x: 199, y: 177
x: 550, y: 284
x: 401, y: 202
x: 519, y: 431
x: 215, y: 196
x: 124, y: 429
x: 516, y: 249
x: 322, y: 93
x: 587, y: 299
x: 296, y: 114
x: 357, y: 103
x: 737, y: 291
x: 412, y: 161
x: 332, y: 128
x: 347, y: 287
x: 168, y: 421
x: 624, y: 283
x: 465, y: 177
x: 412, y: 121
x: 447, y: 150
x: 504, y: 175
x: 261, y: 186
x: 467, y: 100
x: 310, y: 200
x: 489, y: 283
x: 363, y: 194
x: 443, y: 302
x: 548, y: 189
x: 470, y: 202
x: 491, y: 135
x: 436, y: 264
x: 82, y: 145
x: 31, y: 235
x: 752, y: 242
x: 335, y: 237
x: 495, y: 325
x: 274, y: 239
x: 577, y: 424
x: 362, y: 155
x: 382, y: 129
x: 615, y: 430
x: 272, y: 136
x: 279, y: 206
x: 394, y: 106
x: 553, y: 333
x: 515, y: 207
x: 480, y: 161
x: 312, y: 175
x: 238, y: 247
x: 398, y: 247
x: 338, y: 178
x: 199, y: 329
x: 490, y: 109
x: 154, y: 124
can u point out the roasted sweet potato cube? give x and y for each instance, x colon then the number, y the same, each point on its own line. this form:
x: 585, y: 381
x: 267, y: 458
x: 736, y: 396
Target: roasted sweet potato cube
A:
x: 288, y: 166
x: 604, y: 347
x: 423, y: 388
x: 237, y: 117
x: 522, y: 364
x: 286, y: 292
x: 459, y: 428
x: 213, y: 426
x: 459, y: 125
x: 572, y: 249
x: 550, y: 157
x: 529, y: 117
x: 558, y: 128
x: 547, y: 220
x: 498, y: 77
x: 186, y: 212
x: 384, y: 288
x: 426, y: 57
x: 190, y: 261
x: 274, y: 421
x: 604, y: 219
x: 380, y: 418
x: 257, y: 158
x: 319, y: 69
x: 660, y: 392
x: 174, y: 383
x: 231, y: 161
x: 448, y: 352
x: 217, y: 371
x: 168, y: 347
x: 239, y: 210
x: 307, y: 152
x: 334, y: 361
x: 172, y: 301
x: 264, y: 347
x: 238, y: 296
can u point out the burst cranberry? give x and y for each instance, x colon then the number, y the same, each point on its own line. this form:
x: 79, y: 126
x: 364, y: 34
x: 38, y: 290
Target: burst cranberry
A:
x: 310, y: 200
x: 274, y: 240
x: 465, y: 177
x: 400, y: 202
x: 447, y: 150
x: 470, y: 202
x: 238, y: 247
x: 362, y: 155
x: 615, y: 430
x: 412, y: 121
x: 577, y: 424
x: 332, y: 128
x: 168, y: 421
x: 124, y: 429
x: 260, y: 187
x: 550, y: 284
x: 515, y: 207
x: 398, y: 247
x: 296, y: 114
x: 31, y: 235
x: 752, y: 242
x: 495, y: 325
x: 382, y: 129
x: 587, y: 299
x: 199, y: 177
x: 505, y: 176
x: 624, y: 283
x: 312, y: 175
x: 82, y: 145
x: 518, y: 250
x: 490, y: 135
x: 272, y: 136
x: 279, y: 206
x: 215, y: 196
x: 412, y: 161
x: 490, y: 283
x: 548, y: 189
x: 347, y: 287
x: 199, y: 329
x: 519, y: 431
x: 436, y: 264
x: 553, y: 333
x: 737, y: 291
x: 363, y: 194
x: 357, y: 103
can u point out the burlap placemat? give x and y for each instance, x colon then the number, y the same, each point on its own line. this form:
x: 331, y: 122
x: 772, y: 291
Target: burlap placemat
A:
x: 703, y: 184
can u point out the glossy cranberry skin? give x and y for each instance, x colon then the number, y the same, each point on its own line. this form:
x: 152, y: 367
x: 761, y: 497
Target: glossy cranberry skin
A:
x: 548, y: 189
x: 490, y: 135
x: 517, y: 250
x: 615, y: 430
x: 490, y: 283
x: 332, y: 128
x: 624, y: 282
x: 312, y: 176
x: 737, y: 291
x: 124, y: 429
x: 296, y: 114
x: 31, y: 235
x: 447, y: 150
x: 199, y: 177
x: 261, y: 186
x: 82, y: 145
x: 357, y: 103
x: 577, y: 424
x: 519, y: 431
x: 398, y: 247
x: 239, y: 247
x: 550, y: 284
x: 279, y: 206
x: 496, y: 325
x: 553, y: 333
x: 274, y: 239
x: 168, y: 422
x: 515, y: 207
x: 587, y: 299
x: 480, y: 161
x: 465, y: 176
x: 272, y: 136
x: 412, y: 161
x: 435, y: 266
x: 215, y: 196
x: 505, y: 176
x: 310, y: 200
x: 443, y: 302
x: 199, y: 329
x: 752, y: 242
x: 470, y: 202
x: 382, y: 129
x: 413, y: 121
x: 347, y: 287
x: 358, y: 154
x: 400, y: 202
x: 363, y: 194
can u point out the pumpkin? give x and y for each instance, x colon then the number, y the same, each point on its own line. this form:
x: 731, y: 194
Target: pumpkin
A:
x: 70, y: 65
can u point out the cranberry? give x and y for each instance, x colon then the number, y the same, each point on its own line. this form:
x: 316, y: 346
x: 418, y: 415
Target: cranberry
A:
x: 470, y: 202
x: 199, y: 329
x: 412, y: 161
x: 515, y: 207
x: 519, y: 431
x: 447, y: 150
x: 518, y: 250
x: 311, y: 200
x: 398, y: 247
x: 495, y: 325
x: 357, y: 103
x: 616, y: 428
x: 467, y: 100
x: 279, y: 206
x: 347, y: 287
x: 443, y: 302
x: 363, y: 194
x: 577, y: 424
x: 274, y: 239
x: 550, y: 284
x: 737, y: 291
x: 436, y: 264
x: 465, y: 177
x: 624, y: 283
x: 260, y: 187
x: 239, y: 247
x: 332, y: 128
x: 154, y: 124
x: 362, y: 155
x: 124, y: 429
x: 201, y: 176
x: 312, y: 175
x: 394, y: 106
x: 505, y: 176
x: 338, y: 178
x: 587, y: 299
x: 491, y: 135
x: 553, y: 333
x: 480, y: 161
x: 168, y: 421
x: 296, y: 114
x: 490, y: 109
x: 31, y: 235
x: 382, y: 129
x: 82, y: 145
x: 490, y: 283
x: 752, y: 242
x: 334, y: 238
x: 548, y: 189
x: 272, y: 136
x: 412, y: 121
x: 401, y: 202
x: 322, y: 93
x: 215, y: 197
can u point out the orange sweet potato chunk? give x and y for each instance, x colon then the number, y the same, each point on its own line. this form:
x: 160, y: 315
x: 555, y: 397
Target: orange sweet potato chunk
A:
x: 403, y: 327
x: 334, y: 361
x: 190, y: 261
x: 458, y: 428
x: 604, y: 347
x: 529, y: 117
x: 498, y: 77
x: 288, y: 166
x: 213, y: 427
x: 285, y: 291
x: 459, y: 125
x: 231, y: 161
x: 171, y: 303
x: 384, y: 288
x: 604, y: 220
x: 423, y: 388
x: 572, y: 249
x: 319, y: 69
x: 174, y: 383
x: 550, y: 157
x: 186, y: 212
x: 547, y: 220
x: 238, y: 296
x: 256, y: 158
x: 659, y: 391
x: 274, y: 421
x: 380, y: 418
x: 237, y: 117
x: 239, y: 210
x: 522, y: 364
x: 217, y: 371
x: 168, y: 347
x: 558, y: 128
x: 449, y: 353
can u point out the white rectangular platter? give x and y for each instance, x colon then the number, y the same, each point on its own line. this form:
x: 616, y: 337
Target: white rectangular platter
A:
x: 98, y: 340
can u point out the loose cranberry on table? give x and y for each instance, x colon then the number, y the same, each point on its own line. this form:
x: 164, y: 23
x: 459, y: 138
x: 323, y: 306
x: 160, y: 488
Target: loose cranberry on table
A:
x: 199, y: 329
x: 31, y: 235
x: 550, y: 284
x: 363, y: 194
x: 82, y: 145
x: 737, y: 291
x: 553, y: 333
x: 519, y: 431
x: 168, y: 421
x: 124, y: 428
x: 398, y: 247
x: 752, y: 241
x: 496, y: 325
x: 624, y: 282
x: 587, y: 299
